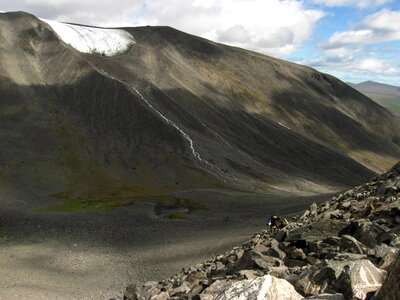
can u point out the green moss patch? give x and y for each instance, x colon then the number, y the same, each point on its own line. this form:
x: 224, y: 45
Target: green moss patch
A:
x: 76, y: 205
x: 79, y: 204
x: 175, y: 216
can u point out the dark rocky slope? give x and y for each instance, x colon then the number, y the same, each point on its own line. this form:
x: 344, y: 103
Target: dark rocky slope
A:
x: 74, y: 127
x: 342, y: 249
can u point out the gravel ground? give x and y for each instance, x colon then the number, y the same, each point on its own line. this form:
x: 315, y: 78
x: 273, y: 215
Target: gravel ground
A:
x: 95, y: 255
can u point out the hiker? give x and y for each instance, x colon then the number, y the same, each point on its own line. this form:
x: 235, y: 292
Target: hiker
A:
x: 275, y: 223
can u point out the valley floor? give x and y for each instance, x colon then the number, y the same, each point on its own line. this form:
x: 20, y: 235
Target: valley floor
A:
x: 95, y: 255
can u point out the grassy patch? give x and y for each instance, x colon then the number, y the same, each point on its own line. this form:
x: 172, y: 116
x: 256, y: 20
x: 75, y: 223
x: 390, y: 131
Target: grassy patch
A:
x: 79, y: 204
x: 175, y: 216
x: 181, y: 202
x: 2, y: 234
x: 76, y: 205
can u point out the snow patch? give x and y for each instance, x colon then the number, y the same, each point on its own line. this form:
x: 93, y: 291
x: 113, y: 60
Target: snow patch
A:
x: 283, y: 125
x: 93, y: 40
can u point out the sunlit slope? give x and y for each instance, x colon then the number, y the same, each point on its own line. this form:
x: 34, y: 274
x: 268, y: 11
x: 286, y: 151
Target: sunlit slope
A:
x: 175, y: 112
x: 386, y: 95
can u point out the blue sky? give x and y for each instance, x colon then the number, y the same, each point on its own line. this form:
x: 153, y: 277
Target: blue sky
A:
x: 351, y: 59
x: 354, y: 40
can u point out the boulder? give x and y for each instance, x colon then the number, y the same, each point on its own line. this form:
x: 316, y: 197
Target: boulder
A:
x: 351, y: 278
x: 367, y: 235
x: 295, y: 253
x: 313, y: 281
x: 184, y: 288
x: 275, y: 251
x: 219, y: 268
x: 266, y: 287
x: 386, y: 237
x: 142, y: 292
x: 313, y: 208
x: 345, y: 256
x: 388, y: 259
x: 196, y: 278
x: 295, y: 263
x: 319, y: 230
x: 279, y: 272
x: 254, y: 260
x: 312, y: 260
x: 350, y: 244
x: 196, y: 290
x: 161, y: 296
x: 327, y: 297
x: 130, y: 292
x: 281, y: 235
x: 382, y: 249
x: 213, y: 290
x: 390, y: 289
x: 248, y: 274
x: 260, y: 248
x: 357, y: 278
x: 304, y: 284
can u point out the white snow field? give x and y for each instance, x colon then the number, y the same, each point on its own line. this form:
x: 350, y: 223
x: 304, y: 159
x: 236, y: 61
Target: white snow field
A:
x: 93, y: 40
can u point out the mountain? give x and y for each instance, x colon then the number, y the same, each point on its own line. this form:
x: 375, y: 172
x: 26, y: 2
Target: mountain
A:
x: 95, y: 114
x: 386, y: 95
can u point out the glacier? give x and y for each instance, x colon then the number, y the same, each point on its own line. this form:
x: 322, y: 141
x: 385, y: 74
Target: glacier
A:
x: 93, y: 40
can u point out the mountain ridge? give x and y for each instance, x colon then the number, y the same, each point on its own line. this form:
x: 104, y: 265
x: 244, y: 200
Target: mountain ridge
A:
x: 297, y: 121
x: 384, y: 94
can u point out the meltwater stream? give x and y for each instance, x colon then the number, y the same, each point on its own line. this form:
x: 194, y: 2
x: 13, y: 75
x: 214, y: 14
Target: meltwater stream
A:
x: 170, y: 122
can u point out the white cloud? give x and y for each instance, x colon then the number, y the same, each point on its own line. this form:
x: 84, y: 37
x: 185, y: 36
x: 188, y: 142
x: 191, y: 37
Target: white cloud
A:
x: 375, y: 65
x: 354, y: 62
x: 353, y: 3
x: 349, y: 53
x: 380, y: 27
x: 272, y: 27
x: 90, y: 12
x: 275, y: 27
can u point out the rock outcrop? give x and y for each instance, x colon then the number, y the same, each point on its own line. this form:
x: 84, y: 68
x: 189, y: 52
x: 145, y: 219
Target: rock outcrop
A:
x: 342, y: 249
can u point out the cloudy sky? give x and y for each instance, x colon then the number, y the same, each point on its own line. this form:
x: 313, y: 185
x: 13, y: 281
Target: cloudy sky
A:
x: 355, y: 40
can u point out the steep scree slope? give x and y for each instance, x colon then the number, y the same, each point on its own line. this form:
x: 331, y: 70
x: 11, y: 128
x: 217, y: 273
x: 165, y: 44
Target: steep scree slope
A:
x: 344, y: 248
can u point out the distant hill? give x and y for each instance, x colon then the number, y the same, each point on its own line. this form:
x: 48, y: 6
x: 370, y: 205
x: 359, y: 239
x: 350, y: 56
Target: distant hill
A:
x: 386, y: 95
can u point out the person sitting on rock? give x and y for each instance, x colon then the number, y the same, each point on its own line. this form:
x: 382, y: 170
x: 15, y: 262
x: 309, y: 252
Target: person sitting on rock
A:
x: 275, y: 223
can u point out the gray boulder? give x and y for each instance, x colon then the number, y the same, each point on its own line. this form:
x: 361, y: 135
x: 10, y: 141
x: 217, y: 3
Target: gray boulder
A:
x: 281, y: 235
x: 249, y: 274
x: 327, y: 297
x: 266, y: 287
x: 350, y: 244
x: 213, y: 290
x: 142, y: 292
x: 161, y: 296
x: 275, y: 251
x: 357, y: 278
x: 390, y: 289
x: 382, y: 249
x: 351, y: 278
x: 254, y: 260
x: 319, y: 230
x: 388, y: 259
